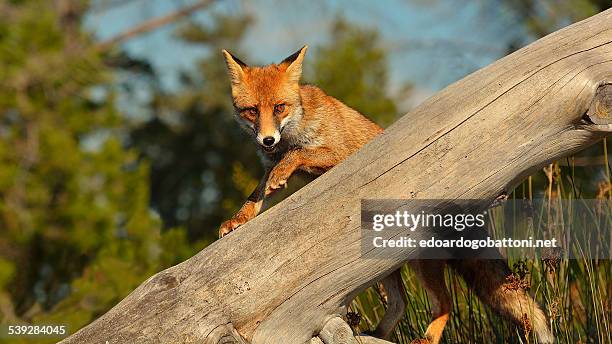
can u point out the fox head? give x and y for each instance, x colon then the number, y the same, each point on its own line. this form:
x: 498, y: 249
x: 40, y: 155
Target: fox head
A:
x: 266, y: 99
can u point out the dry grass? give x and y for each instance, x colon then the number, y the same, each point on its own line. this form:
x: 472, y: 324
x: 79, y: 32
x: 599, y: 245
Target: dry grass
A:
x: 576, y: 294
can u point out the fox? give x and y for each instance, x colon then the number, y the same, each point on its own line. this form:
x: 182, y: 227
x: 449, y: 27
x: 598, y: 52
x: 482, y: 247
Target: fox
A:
x: 300, y: 127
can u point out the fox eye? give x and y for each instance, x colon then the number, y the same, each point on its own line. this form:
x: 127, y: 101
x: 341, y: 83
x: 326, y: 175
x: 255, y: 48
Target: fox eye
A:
x: 279, y: 108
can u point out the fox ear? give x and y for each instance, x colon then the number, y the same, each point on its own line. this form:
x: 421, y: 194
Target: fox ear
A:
x: 294, y: 64
x: 234, y: 66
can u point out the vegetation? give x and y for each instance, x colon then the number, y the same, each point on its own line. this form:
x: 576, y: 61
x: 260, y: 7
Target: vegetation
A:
x: 76, y: 232
x: 574, y: 293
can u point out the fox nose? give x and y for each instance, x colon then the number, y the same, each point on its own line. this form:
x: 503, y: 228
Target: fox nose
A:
x: 268, y: 141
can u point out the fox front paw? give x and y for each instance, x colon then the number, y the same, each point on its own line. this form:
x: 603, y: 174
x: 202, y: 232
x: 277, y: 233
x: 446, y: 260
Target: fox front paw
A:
x: 420, y: 341
x: 277, y: 180
x: 228, y: 226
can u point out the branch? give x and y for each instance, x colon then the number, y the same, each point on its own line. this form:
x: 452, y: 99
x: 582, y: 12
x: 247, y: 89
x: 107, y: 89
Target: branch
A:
x: 600, y: 111
x: 336, y: 331
x: 279, y: 278
x: 152, y: 24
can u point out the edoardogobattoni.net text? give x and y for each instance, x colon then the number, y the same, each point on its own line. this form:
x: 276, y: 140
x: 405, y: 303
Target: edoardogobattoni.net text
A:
x: 406, y: 242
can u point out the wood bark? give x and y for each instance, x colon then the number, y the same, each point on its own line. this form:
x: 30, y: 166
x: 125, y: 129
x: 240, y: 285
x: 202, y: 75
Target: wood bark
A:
x: 281, y: 277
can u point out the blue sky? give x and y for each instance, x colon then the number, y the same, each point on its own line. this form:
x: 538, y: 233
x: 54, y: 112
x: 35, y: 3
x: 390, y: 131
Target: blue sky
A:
x: 430, y: 43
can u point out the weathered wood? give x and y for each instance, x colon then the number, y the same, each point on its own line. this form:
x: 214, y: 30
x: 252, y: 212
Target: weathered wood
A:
x: 282, y: 275
x: 225, y: 334
x: 600, y: 110
x: 371, y: 340
x: 336, y: 331
x: 315, y: 340
x: 360, y: 340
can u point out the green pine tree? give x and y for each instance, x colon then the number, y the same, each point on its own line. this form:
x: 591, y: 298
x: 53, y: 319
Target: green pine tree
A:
x: 76, y: 231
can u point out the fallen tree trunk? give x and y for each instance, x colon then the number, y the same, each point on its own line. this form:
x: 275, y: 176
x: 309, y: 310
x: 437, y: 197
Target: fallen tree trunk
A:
x: 282, y: 276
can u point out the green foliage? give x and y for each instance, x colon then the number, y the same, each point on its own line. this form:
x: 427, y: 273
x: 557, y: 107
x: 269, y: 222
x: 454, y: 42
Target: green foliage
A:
x: 542, y: 17
x: 574, y: 293
x: 76, y: 232
x: 353, y: 68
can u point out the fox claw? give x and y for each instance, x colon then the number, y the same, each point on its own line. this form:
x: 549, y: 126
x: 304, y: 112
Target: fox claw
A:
x: 227, y: 227
x: 279, y: 184
x: 276, y: 181
x: 272, y: 187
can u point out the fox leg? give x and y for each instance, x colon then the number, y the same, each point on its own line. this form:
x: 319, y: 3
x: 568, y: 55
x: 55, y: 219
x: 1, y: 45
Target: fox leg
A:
x: 315, y: 161
x: 431, y: 275
x: 396, y: 304
x: 249, y: 210
x: 276, y: 178
x: 488, y: 279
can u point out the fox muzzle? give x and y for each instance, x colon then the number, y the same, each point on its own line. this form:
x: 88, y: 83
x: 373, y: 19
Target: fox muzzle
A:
x: 269, y: 142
